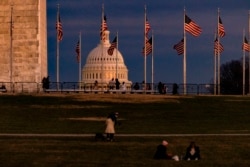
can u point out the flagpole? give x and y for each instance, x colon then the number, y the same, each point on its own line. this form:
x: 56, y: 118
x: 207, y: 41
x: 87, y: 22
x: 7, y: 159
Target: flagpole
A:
x: 215, y: 65
x: 117, y: 54
x: 145, y: 54
x: 249, y: 52
x: 80, y: 58
x: 57, y: 52
x: 102, y: 43
x: 184, y: 56
x: 243, y: 65
x: 152, y: 82
x: 218, y: 45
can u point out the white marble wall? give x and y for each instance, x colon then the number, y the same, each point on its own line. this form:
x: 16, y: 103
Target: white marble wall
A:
x: 29, y: 44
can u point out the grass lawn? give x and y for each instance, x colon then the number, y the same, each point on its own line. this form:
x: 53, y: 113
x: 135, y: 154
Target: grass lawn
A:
x: 139, y: 114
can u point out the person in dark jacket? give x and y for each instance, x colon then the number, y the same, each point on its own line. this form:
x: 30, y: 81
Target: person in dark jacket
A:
x: 192, y: 152
x: 160, y: 87
x: 136, y: 86
x: 117, y: 84
x: 45, y: 82
x: 175, y: 89
x: 161, y: 152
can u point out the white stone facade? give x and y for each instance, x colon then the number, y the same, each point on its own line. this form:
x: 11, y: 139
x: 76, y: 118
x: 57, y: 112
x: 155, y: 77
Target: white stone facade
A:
x: 23, y: 55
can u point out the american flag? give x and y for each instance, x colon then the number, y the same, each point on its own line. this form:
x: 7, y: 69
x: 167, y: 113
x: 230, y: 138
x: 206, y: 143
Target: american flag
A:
x: 218, y: 47
x: 148, y: 47
x: 179, y: 47
x: 192, y: 27
x: 104, y: 27
x: 59, y: 29
x: 147, y: 27
x: 221, y: 29
x: 246, y: 45
x: 78, y: 52
x: 112, y: 46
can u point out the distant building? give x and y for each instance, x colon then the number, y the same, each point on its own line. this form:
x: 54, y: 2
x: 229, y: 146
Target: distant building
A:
x: 102, y: 67
x: 23, y: 44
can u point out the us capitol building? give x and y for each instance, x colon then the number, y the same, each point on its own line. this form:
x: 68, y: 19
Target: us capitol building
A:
x: 99, y: 63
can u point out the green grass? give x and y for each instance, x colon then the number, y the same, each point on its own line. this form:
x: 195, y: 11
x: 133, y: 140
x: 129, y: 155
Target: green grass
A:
x: 139, y: 114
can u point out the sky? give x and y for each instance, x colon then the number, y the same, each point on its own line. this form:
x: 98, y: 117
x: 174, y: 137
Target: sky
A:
x: 166, y: 21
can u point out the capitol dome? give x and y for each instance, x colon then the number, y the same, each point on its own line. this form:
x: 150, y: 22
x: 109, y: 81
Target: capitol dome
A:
x: 99, y: 63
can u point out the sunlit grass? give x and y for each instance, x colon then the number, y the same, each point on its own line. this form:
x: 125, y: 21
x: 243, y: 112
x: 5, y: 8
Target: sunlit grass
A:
x: 139, y: 114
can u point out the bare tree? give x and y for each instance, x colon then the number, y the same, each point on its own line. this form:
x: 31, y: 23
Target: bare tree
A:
x: 232, y: 79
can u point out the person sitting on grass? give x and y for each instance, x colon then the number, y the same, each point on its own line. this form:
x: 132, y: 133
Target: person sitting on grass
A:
x: 161, y: 152
x: 192, y: 152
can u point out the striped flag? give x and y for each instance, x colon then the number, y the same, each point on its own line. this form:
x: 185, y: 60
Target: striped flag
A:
x: 221, y: 29
x: 147, y: 27
x: 246, y: 45
x: 104, y: 27
x: 59, y: 28
x: 218, y: 48
x: 78, y: 52
x: 112, y: 46
x: 192, y: 27
x: 148, y: 47
x: 179, y: 47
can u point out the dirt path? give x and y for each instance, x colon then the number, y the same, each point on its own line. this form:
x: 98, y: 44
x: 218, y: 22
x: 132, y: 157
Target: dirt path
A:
x: 120, y: 135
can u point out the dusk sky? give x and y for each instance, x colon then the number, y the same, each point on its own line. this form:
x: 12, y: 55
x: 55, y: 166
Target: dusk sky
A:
x: 166, y: 21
